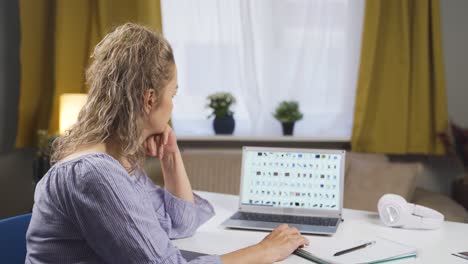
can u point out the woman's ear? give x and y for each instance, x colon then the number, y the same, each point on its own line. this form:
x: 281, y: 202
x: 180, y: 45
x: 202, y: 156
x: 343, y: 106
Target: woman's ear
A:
x: 149, y: 100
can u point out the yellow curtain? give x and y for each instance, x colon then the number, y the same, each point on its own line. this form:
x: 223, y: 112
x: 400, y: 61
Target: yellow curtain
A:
x: 36, y: 58
x: 400, y: 100
x: 58, y: 37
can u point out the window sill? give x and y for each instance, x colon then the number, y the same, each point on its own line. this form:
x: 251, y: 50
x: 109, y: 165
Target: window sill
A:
x: 221, y: 138
x: 236, y: 142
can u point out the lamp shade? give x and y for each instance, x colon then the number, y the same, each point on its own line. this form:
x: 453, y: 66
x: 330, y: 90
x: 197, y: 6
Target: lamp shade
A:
x: 70, y: 106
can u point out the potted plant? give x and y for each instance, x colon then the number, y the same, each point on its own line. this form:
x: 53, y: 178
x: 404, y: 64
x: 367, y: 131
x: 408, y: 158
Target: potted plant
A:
x: 220, y: 103
x: 288, y: 113
x: 456, y: 144
x: 41, y: 163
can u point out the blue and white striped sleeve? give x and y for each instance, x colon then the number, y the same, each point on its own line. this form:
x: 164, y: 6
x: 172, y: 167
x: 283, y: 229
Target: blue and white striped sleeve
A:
x: 179, y: 218
x: 119, y: 227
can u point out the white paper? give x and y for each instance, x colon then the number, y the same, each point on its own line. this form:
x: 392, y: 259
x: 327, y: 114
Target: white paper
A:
x: 383, y: 249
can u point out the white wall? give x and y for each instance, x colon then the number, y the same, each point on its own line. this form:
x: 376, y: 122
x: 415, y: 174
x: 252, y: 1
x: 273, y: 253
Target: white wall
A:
x: 455, y: 48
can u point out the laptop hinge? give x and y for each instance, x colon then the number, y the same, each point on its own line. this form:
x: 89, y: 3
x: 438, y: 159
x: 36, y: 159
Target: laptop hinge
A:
x: 278, y: 212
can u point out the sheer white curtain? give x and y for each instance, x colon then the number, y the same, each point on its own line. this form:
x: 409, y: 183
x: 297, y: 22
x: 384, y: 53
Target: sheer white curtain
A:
x: 264, y: 52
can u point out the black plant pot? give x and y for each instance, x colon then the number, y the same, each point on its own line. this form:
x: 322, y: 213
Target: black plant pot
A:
x: 224, y: 125
x: 288, y: 128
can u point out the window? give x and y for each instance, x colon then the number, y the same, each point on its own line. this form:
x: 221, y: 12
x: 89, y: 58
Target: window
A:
x: 264, y: 52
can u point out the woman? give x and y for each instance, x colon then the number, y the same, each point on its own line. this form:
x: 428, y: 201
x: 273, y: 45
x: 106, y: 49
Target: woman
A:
x: 96, y: 204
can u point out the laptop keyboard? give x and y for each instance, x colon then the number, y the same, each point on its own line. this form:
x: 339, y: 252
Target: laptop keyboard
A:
x: 289, y: 219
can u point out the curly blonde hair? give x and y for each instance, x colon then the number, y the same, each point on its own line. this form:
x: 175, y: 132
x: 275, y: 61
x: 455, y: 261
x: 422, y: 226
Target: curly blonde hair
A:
x: 127, y: 62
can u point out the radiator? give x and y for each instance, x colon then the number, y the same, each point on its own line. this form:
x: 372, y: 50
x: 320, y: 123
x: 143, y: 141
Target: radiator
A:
x: 213, y: 170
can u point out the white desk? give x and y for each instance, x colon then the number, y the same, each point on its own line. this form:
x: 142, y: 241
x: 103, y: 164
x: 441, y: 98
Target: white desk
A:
x: 434, y: 246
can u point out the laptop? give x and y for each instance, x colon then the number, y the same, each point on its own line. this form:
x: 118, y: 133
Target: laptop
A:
x: 300, y: 187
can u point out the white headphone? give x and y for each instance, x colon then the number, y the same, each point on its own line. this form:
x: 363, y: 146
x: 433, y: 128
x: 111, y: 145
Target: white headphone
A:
x: 394, y: 211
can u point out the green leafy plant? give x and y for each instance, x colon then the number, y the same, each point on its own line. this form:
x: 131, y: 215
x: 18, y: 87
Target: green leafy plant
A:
x: 44, y: 143
x: 41, y: 162
x: 288, y: 112
x: 220, y: 104
x: 455, y: 141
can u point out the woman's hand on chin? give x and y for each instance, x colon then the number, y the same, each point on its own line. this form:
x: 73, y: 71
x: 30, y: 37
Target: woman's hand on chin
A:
x: 162, y: 144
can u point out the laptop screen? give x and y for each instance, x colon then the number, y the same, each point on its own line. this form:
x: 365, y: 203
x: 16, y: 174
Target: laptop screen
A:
x: 295, y: 178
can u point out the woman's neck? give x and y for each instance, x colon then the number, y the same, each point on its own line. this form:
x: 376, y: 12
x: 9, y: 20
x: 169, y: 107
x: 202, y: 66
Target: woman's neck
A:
x: 110, y: 147
x: 113, y: 148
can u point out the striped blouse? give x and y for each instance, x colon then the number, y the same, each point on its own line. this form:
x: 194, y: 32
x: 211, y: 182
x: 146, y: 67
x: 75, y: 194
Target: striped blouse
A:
x: 89, y: 210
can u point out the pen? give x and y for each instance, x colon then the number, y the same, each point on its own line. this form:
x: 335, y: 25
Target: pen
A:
x: 353, y: 248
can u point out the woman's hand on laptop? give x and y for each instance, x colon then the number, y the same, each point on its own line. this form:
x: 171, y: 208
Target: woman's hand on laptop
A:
x: 276, y: 246
x: 282, y: 241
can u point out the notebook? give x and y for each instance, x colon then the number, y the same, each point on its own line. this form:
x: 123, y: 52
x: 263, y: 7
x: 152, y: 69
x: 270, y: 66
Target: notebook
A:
x: 383, y: 250
x: 299, y: 187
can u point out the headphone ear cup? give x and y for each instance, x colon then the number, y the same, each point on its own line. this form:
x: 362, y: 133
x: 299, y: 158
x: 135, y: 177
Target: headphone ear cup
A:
x: 393, y: 210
